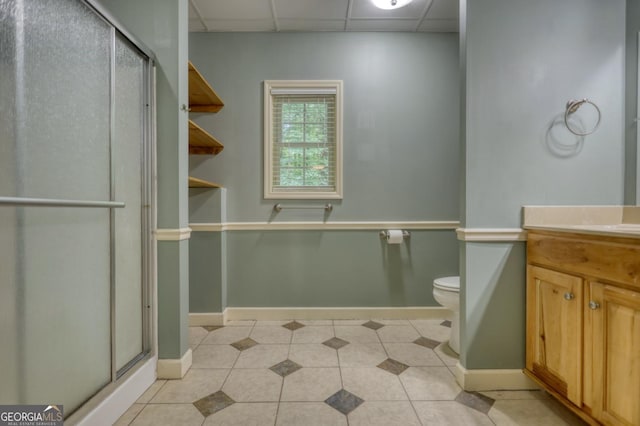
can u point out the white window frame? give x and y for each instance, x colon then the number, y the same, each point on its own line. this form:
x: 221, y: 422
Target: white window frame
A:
x: 302, y: 87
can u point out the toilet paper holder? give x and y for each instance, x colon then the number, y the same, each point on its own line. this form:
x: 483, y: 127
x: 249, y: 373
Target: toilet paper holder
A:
x: 385, y: 234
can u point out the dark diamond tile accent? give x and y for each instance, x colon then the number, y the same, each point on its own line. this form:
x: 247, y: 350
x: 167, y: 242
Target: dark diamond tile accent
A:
x: 426, y: 342
x: 213, y: 403
x: 373, y: 325
x: 393, y: 366
x: 243, y: 344
x: 475, y: 400
x: 285, y: 367
x: 446, y: 323
x: 335, y: 343
x: 344, y: 401
x: 293, y: 325
x: 212, y: 327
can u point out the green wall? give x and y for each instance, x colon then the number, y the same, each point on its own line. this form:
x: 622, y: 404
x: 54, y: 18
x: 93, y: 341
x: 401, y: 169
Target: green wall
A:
x: 523, y: 61
x: 336, y: 268
x: 401, y: 155
x: 401, y: 119
x: 631, y: 99
x: 205, y: 272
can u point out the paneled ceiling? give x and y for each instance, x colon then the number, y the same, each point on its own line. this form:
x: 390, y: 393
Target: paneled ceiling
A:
x: 321, y: 15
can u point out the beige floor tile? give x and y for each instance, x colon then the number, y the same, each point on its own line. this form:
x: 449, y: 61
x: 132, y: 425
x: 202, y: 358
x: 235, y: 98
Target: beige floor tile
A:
x: 449, y: 413
x: 214, y: 356
x: 271, y: 334
x: 245, y: 414
x: 373, y: 384
x: 356, y: 334
x: 240, y: 323
x: 361, y: 355
x: 384, y: 413
x: 446, y: 354
x: 398, y: 334
x: 226, y: 335
x: 413, y: 355
x: 271, y: 323
x: 524, y: 394
x: 313, y: 334
x: 430, y: 384
x: 169, y: 415
x: 311, y: 384
x: 392, y: 321
x: 350, y: 322
x: 432, y: 329
x: 262, y: 356
x: 313, y: 355
x: 546, y: 412
x: 196, y: 384
x: 309, y: 414
x: 253, y: 385
x: 128, y: 416
x: 316, y: 322
x: 196, y: 335
x: 150, y: 393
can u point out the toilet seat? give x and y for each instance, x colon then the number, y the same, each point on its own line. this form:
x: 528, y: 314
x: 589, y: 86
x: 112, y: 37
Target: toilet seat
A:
x: 447, y: 284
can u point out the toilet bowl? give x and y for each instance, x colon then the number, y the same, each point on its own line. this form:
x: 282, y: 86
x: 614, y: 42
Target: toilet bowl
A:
x: 446, y: 291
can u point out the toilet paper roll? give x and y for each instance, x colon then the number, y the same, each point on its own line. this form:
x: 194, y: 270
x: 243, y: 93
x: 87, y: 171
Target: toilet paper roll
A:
x: 394, y: 236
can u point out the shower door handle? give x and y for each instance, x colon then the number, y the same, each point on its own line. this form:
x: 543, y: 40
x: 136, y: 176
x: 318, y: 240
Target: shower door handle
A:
x: 51, y: 202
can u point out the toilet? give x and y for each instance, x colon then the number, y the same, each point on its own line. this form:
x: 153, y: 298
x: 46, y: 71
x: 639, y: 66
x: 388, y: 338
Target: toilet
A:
x: 446, y: 291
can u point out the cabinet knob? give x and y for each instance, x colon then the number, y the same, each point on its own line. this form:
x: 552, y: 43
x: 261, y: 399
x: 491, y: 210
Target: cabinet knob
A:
x: 569, y: 296
x: 594, y: 305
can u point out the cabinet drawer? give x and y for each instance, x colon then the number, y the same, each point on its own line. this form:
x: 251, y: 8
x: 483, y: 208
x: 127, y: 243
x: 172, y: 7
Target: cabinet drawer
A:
x: 614, y: 260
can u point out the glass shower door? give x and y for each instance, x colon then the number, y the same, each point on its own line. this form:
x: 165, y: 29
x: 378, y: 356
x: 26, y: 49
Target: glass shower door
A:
x: 72, y: 128
x: 127, y: 157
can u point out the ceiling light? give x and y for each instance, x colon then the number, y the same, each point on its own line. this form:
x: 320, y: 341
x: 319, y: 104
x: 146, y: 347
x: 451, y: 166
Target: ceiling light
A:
x: 390, y: 4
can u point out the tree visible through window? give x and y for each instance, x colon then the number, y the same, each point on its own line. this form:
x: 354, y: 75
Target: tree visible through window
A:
x: 306, y: 139
x: 304, y: 142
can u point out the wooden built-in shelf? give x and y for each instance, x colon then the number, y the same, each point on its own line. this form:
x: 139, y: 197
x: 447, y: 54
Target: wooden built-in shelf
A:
x: 202, y: 97
x: 199, y: 183
x: 201, y: 142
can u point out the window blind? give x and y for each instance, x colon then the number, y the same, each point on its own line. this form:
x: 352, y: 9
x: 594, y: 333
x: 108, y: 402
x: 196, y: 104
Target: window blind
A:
x: 304, y: 140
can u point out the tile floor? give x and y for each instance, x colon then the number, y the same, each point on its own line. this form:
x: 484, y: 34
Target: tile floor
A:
x: 304, y: 373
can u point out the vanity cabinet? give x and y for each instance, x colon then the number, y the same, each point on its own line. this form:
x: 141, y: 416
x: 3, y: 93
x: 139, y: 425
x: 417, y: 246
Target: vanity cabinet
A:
x: 583, y: 323
x: 554, y: 336
x: 615, y: 331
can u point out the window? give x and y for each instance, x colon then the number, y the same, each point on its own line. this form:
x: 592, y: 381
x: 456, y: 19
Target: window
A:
x: 303, y: 139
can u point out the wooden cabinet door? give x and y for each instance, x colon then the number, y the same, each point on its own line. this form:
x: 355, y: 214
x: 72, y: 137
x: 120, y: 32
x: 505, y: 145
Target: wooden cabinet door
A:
x: 554, y: 330
x: 615, y: 328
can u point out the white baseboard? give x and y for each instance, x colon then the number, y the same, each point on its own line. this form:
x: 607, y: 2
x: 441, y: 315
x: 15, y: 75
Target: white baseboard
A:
x: 487, y: 380
x: 200, y: 319
x: 274, y: 314
x: 175, y: 368
x: 112, y: 407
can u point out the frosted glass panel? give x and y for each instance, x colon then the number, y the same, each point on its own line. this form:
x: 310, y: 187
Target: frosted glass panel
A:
x: 64, y: 305
x: 56, y: 326
x: 64, y: 119
x: 8, y: 235
x: 127, y: 150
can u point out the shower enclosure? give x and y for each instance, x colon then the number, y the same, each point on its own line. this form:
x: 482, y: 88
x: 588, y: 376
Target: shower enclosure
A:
x: 76, y: 203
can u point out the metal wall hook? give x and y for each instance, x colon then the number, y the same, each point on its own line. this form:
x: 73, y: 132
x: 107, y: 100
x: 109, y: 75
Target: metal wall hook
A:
x: 572, y: 107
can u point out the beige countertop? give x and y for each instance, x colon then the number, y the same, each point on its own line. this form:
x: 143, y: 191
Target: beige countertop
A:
x: 617, y: 221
